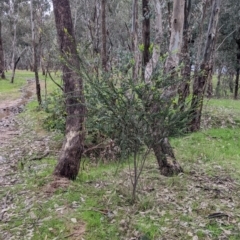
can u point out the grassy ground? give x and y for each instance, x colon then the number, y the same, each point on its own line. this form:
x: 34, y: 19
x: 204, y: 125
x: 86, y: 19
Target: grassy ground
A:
x: 11, y: 90
x: 203, y: 203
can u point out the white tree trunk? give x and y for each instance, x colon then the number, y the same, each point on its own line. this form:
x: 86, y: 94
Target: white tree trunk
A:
x: 176, y: 35
x: 157, y: 42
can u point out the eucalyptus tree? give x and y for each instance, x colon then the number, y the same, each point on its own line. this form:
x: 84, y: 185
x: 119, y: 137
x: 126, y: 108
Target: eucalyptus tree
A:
x: 146, y: 30
x: 2, y: 67
x: 206, y: 67
x: 72, y: 148
x: 12, y: 11
x: 228, y: 46
x: 35, y: 57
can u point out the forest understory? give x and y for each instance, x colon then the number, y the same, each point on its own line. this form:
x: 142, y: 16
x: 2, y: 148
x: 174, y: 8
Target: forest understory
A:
x: 201, y: 203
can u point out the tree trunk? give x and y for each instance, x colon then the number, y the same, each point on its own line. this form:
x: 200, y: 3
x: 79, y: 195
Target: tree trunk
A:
x: 165, y: 157
x: 183, y: 90
x: 96, y: 22
x: 72, y: 148
x: 104, y: 36
x: 200, y: 39
x: 35, y: 58
x: 237, y: 70
x: 151, y: 65
x: 135, y: 39
x: 175, y: 45
x: 230, y: 81
x: 14, y: 63
x: 2, y: 74
x: 236, y: 84
x: 200, y: 81
x: 218, y: 87
x: 162, y: 149
x: 146, y: 34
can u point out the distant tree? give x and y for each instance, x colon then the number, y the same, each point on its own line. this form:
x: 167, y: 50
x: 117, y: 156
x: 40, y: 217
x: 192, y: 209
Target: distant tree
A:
x: 35, y: 54
x: 146, y: 34
x: 104, y: 35
x: 2, y: 74
x: 206, y: 68
x: 134, y: 33
x: 72, y: 148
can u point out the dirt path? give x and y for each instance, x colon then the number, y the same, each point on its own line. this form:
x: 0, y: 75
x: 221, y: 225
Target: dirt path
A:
x: 9, y: 109
x: 9, y: 133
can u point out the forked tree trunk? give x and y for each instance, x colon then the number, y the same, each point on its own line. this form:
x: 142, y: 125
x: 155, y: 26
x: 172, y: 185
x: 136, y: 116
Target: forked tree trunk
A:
x: 2, y: 74
x: 200, y: 81
x: 162, y: 149
x: 72, y: 148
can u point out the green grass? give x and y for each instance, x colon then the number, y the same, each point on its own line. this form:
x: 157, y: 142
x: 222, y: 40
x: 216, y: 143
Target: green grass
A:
x: 214, y: 146
x: 12, y: 90
x: 166, y: 208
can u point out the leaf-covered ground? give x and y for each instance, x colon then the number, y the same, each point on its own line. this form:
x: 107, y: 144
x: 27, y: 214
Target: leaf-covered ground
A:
x: 202, y: 203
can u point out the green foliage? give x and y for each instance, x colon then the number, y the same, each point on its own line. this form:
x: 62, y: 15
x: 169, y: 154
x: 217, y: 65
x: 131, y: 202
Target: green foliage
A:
x: 131, y: 113
x: 54, y: 106
x: 141, y: 47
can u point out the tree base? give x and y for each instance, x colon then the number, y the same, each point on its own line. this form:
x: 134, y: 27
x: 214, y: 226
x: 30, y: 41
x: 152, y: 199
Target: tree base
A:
x: 166, y: 160
x: 170, y: 168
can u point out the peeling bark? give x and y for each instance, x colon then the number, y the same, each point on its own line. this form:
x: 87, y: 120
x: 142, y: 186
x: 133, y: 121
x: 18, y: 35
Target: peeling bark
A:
x: 72, y: 148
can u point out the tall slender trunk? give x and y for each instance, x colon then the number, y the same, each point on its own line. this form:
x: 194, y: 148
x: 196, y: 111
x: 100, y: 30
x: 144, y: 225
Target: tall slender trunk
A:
x: 200, y: 40
x: 146, y: 34
x: 237, y: 70
x: 218, y: 87
x: 104, y: 36
x: 2, y: 74
x: 200, y: 81
x: 151, y: 65
x: 14, y: 63
x: 96, y: 22
x: 236, y: 84
x: 35, y: 57
x: 183, y: 90
x: 72, y: 148
x: 176, y: 38
x: 135, y: 39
